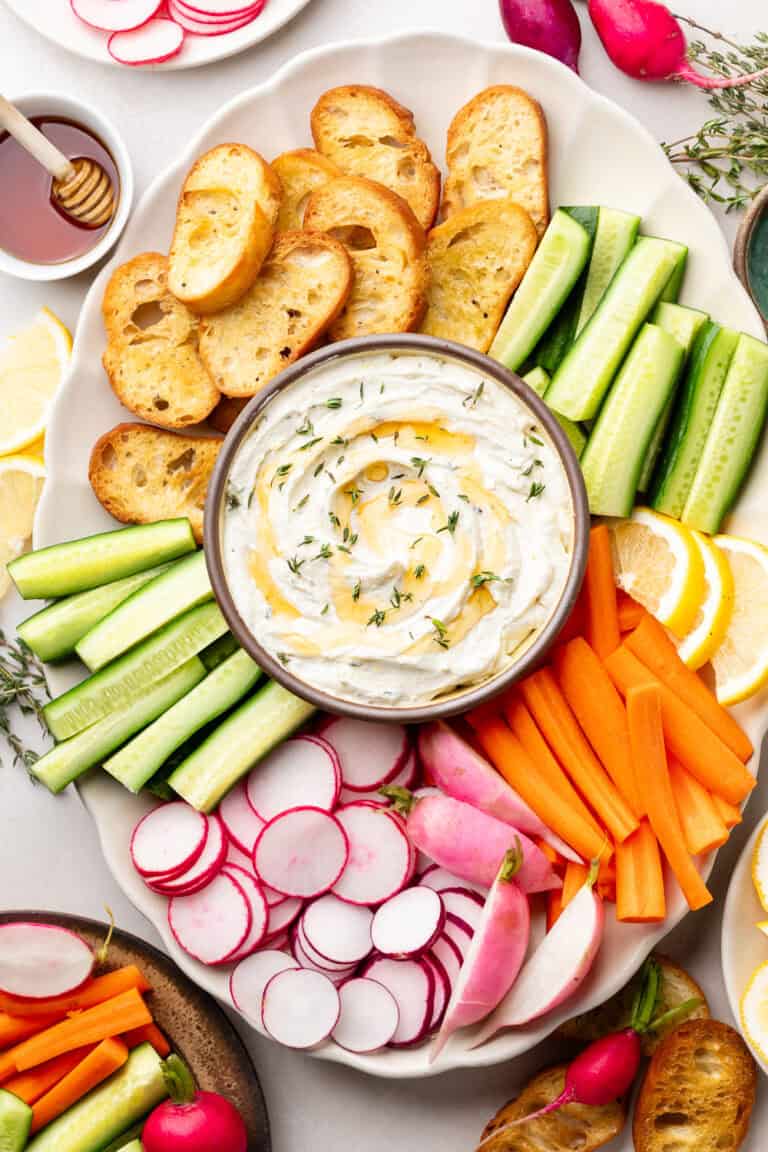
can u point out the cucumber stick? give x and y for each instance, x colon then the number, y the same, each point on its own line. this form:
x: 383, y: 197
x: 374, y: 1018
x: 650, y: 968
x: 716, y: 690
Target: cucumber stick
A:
x: 181, y: 587
x: 237, y: 744
x: 70, y: 759
x: 559, y: 335
x: 221, y: 689
x: 732, y: 437
x: 79, y: 565
x: 218, y: 652
x: 613, y: 459
x: 15, y: 1122
x: 585, y: 375
x: 134, y: 1146
x: 615, y: 235
x: 671, y: 290
x: 554, y: 270
x: 108, y: 1110
x: 538, y: 380
x: 53, y: 632
x: 125, y: 680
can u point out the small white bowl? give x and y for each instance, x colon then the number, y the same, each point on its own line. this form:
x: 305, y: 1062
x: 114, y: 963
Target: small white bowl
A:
x: 743, y: 946
x: 56, y: 104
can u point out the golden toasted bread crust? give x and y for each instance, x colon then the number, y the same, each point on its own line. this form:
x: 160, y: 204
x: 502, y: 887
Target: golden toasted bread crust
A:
x: 300, y: 172
x: 226, y: 412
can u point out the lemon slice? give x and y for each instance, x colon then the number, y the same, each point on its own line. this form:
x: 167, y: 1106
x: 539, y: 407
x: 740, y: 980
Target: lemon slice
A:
x: 714, y: 615
x: 760, y: 866
x: 741, y: 661
x: 763, y: 926
x: 32, y: 365
x: 659, y: 563
x: 754, y: 1011
x: 21, y: 482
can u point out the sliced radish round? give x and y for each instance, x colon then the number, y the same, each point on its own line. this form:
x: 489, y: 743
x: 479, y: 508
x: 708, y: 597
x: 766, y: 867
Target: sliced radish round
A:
x: 369, y: 1016
x: 406, y: 778
x: 305, y: 960
x: 110, y: 16
x: 249, y: 979
x: 239, y: 859
x: 440, y: 879
x: 41, y: 960
x: 259, y: 911
x: 370, y: 754
x: 380, y: 854
x: 408, y: 924
x: 207, y: 865
x: 338, y: 931
x: 302, y: 772
x: 302, y: 852
x: 202, y: 27
x: 213, y: 923
x: 300, y: 1008
x: 215, y: 9
x: 464, y: 904
x: 332, y: 967
x: 169, y: 839
x: 459, y: 933
x: 282, y: 915
x: 153, y: 43
x: 449, y: 955
x: 238, y: 817
x: 442, y: 990
x: 412, y: 984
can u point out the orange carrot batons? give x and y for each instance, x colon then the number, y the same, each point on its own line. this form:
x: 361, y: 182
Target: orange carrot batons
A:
x: 120, y: 1014
x: 728, y: 813
x: 96, y: 1067
x: 630, y: 612
x: 93, y: 992
x: 640, y: 897
x: 30, y: 1086
x: 702, y: 825
x: 602, y: 618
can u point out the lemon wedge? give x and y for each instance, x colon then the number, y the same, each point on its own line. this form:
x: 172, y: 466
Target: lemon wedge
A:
x: 754, y: 1011
x: 659, y: 563
x: 21, y: 482
x: 760, y: 866
x: 714, y: 615
x: 32, y: 366
x: 741, y: 661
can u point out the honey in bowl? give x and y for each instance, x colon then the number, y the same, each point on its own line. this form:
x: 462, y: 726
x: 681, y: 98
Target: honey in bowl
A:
x: 31, y: 226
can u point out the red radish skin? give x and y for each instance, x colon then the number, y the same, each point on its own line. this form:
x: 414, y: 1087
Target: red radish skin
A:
x: 550, y: 26
x: 42, y: 960
x: 110, y: 17
x: 249, y: 979
x: 408, y: 924
x: 282, y: 915
x: 443, y: 988
x: 304, y: 960
x: 239, y: 819
x: 317, y: 958
x: 212, y: 924
x: 370, y: 754
x: 193, y: 1121
x: 381, y: 859
x: 339, y: 932
x: 412, y: 983
x: 300, y: 1008
x: 259, y: 912
x: 168, y: 840
x: 440, y: 879
x: 153, y: 43
x: 205, y: 868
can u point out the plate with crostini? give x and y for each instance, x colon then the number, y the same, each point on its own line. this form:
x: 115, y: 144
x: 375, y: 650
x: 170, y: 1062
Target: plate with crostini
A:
x: 453, y: 196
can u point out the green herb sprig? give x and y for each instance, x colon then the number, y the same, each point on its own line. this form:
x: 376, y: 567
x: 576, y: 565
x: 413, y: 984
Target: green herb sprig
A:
x: 22, y: 687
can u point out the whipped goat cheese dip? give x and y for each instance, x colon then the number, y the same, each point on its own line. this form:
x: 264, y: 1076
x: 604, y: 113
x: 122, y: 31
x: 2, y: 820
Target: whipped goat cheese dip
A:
x: 396, y: 526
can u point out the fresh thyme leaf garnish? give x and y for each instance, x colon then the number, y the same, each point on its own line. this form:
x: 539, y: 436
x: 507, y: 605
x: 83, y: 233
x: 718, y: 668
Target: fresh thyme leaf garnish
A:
x: 419, y: 571
x: 283, y: 470
x: 301, y: 502
x: 22, y: 686
x: 433, y: 491
x: 535, y: 440
x: 319, y: 469
x: 395, y: 496
x: 306, y: 429
x: 354, y: 494
x: 324, y: 609
x: 396, y: 597
x: 470, y: 401
x: 310, y: 443
x: 536, y: 490
x: 419, y: 464
x: 324, y: 553
x: 527, y: 471
x: 423, y: 499
x: 418, y: 540
x: 463, y: 496
x: 377, y: 618
x: 334, y: 402
x: 339, y: 440
x: 362, y: 391
x: 356, y: 591
x: 481, y: 578
x: 450, y: 525
x: 307, y: 540
x: 283, y: 657
x: 374, y: 437
x: 441, y: 632
x: 334, y: 519
x: 294, y: 564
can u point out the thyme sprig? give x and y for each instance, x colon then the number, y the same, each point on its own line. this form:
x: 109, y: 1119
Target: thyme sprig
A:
x: 22, y: 687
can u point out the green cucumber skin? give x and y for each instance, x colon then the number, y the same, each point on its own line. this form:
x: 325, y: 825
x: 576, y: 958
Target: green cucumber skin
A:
x: 615, y: 236
x: 235, y: 746
x: 537, y: 379
x: 70, y: 759
x: 79, y: 565
x: 732, y: 438
x: 218, y: 652
x: 184, y: 586
x: 15, y: 1122
x: 126, y: 679
x: 692, y: 418
x: 221, y: 689
x: 108, y: 1110
x: 559, y: 336
x: 134, y: 1146
x: 53, y: 632
x: 128, y: 1140
x: 674, y: 286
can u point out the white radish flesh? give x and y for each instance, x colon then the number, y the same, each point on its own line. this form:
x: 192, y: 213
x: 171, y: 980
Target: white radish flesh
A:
x: 305, y: 960
x: 207, y: 865
x: 409, y: 923
x: 302, y: 772
x: 370, y: 754
x: 369, y: 1016
x: 282, y: 915
x: 338, y: 931
x: 440, y: 879
x: 168, y: 840
x: 152, y: 43
x: 464, y: 904
x: 249, y: 979
x: 41, y: 960
x: 259, y: 911
x: 322, y: 962
x: 213, y: 923
x: 380, y: 856
x: 301, y: 853
x: 238, y: 817
x: 110, y: 16
x: 412, y: 984
x: 300, y: 1008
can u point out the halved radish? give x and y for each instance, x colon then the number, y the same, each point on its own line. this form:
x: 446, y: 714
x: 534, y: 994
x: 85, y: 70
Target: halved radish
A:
x: 302, y: 852
x: 338, y: 931
x: 305, y: 960
x: 153, y: 43
x: 110, y: 16
x: 249, y: 979
x: 440, y: 879
x: 282, y: 915
x: 207, y: 865
x: 368, y: 1018
x: 370, y: 754
x: 169, y: 839
x: 449, y: 955
x: 213, y: 923
x: 442, y: 990
x: 302, y: 772
x: 259, y: 911
x: 412, y: 984
x: 380, y: 855
x: 300, y: 1008
x: 238, y: 817
x: 463, y: 904
x: 41, y: 960
x: 408, y: 924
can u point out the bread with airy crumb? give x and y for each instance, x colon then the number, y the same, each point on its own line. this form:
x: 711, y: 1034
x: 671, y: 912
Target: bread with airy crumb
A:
x: 300, y: 172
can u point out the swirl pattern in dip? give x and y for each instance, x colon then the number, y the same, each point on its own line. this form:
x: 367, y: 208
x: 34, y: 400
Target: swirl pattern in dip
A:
x: 397, y: 527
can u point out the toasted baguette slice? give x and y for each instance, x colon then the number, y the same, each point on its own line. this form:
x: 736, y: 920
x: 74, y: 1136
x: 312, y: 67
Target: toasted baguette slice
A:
x: 301, y: 290
x: 367, y: 133
x: 575, y: 1127
x: 142, y: 474
x: 300, y: 172
x: 476, y: 260
x: 226, y: 412
x: 387, y: 246
x: 225, y: 222
x: 698, y: 1092
x: 497, y: 146
x: 151, y: 356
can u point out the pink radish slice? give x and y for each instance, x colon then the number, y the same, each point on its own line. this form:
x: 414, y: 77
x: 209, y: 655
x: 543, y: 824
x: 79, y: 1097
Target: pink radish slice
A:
x: 300, y: 1008
x: 408, y: 924
x: 238, y: 817
x: 205, y: 27
x: 464, y: 904
x: 380, y: 855
x: 369, y: 1016
x: 41, y: 960
x: 239, y: 859
x: 249, y: 979
x: 370, y: 754
x: 442, y: 990
x: 321, y: 962
x: 449, y: 955
x: 412, y: 984
x: 216, y: 9
x: 458, y: 932
x: 406, y: 778
x: 207, y: 865
x: 337, y: 931
x: 259, y: 911
x: 282, y: 915
x: 169, y: 839
x: 279, y: 942
x: 213, y: 923
x: 440, y: 879
x: 302, y: 852
x: 153, y: 43
x: 302, y: 772
x: 304, y: 960
x: 110, y: 16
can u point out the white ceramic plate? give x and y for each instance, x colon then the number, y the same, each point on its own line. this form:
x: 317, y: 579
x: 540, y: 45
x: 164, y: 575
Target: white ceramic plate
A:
x: 599, y: 154
x: 744, y: 947
x: 55, y: 20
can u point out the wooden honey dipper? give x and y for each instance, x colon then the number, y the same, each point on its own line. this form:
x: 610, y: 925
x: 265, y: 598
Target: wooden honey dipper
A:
x: 81, y: 188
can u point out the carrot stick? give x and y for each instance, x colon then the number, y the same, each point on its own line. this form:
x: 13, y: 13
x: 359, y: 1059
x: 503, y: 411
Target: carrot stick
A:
x: 602, y: 618
x: 120, y: 1014
x: 630, y: 612
x: 702, y: 825
x: 542, y: 694
x: 606, y: 880
x: 97, y: 1066
x: 729, y: 813
x: 652, y: 647
x: 30, y: 1086
x: 95, y: 991
x: 688, y: 738
x: 554, y: 907
x: 148, y: 1034
x: 577, y: 621
x: 575, y: 876
x: 601, y: 713
x: 14, y: 1029
x: 640, y: 895
x: 557, y: 861
x: 646, y: 734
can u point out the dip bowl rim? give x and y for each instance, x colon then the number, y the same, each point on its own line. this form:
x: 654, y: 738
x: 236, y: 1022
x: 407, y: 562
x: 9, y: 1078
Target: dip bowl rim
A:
x: 459, y: 700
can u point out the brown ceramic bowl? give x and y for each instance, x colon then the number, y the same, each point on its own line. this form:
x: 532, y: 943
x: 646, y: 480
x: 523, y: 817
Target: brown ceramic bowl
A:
x: 461, y: 699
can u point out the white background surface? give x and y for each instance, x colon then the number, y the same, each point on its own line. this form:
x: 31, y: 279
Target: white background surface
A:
x: 49, y: 855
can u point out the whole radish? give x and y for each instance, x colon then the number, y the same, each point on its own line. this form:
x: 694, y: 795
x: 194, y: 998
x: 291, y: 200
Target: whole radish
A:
x: 192, y: 1121
x: 646, y: 41
x: 550, y: 26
